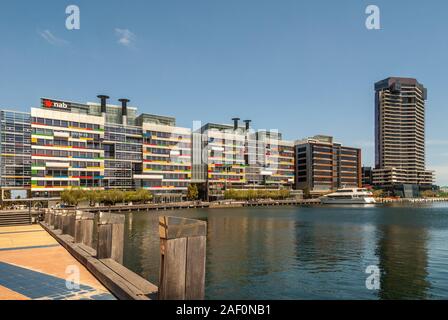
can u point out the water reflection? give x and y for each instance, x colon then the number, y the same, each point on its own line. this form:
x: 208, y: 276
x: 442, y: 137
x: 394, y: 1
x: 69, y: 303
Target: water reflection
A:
x: 308, y: 253
x: 403, y: 261
x: 243, y: 249
x: 325, y: 247
x: 142, y: 249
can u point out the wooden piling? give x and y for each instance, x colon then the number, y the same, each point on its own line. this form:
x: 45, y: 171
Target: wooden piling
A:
x: 66, y: 222
x: 58, y: 220
x: 84, y: 228
x: 47, y: 216
x: 183, y: 255
x: 110, y: 237
x: 51, y: 218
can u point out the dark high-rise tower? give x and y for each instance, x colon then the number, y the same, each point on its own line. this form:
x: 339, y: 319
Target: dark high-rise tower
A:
x: 400, y: 132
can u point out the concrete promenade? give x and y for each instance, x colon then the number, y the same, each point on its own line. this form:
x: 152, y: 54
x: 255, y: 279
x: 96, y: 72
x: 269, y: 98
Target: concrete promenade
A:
x: 33, y: 266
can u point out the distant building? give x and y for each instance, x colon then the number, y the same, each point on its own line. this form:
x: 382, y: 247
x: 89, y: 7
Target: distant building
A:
x: 62, y: 145
x: 66, y: 147
x: 167, y: 151
x: 323, y: 165
x: 400, y: 135
x: 239, y: 157
x: 367, y: 176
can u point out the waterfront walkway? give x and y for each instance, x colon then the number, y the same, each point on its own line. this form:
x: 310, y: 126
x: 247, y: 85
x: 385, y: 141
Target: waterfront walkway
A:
x: 33, y: 266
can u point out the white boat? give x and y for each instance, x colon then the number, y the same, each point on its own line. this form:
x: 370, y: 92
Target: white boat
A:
x: 349, y: 196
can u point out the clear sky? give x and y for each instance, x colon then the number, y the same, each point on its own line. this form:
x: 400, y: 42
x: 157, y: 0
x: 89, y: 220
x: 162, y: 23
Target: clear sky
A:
x: 303, y: 67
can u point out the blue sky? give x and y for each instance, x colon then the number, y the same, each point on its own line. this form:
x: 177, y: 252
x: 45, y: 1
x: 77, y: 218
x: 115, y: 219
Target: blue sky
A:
x: 303, y: 67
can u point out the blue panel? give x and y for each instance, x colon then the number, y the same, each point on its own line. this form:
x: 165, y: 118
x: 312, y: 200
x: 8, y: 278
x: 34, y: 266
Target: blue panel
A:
x: 36, y: 285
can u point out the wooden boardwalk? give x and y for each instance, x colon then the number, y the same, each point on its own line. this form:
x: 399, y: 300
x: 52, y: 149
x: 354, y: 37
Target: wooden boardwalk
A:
x: 33, y: 266
x: 198, y: 205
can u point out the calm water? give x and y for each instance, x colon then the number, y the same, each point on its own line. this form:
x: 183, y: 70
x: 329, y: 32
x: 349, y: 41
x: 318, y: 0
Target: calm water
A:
x: 310, y: 252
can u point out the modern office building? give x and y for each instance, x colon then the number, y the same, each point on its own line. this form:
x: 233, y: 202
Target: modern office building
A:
x: 323, y: 165
x: 367, y: 176
x: 277, y: 159
x: 239, y: 157
x: 223, y: 152
x: 62, y: 145
x: 122, y: 146
x: 167, y: 152
x: 66, y: 146
x: 400, y: 134
x: 15, y: 154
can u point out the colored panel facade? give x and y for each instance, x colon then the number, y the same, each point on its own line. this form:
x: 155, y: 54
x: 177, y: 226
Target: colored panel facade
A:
x: 236, y: 157
x: 223, y: 155
x: 167, y: 152
x: 278, y: 165
x: 66, y: 151
x: 102, y: 146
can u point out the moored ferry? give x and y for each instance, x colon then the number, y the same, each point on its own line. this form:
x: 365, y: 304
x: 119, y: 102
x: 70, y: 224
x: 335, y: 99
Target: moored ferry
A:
x: 349, y: 196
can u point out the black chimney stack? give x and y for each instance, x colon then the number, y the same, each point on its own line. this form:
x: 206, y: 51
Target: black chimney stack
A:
x: 247, y: 122
x: 103, y: 102
x: 235, y: 123
x: 124, y: 105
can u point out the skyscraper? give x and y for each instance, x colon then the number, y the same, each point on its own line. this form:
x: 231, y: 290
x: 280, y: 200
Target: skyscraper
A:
x: 400, y: 133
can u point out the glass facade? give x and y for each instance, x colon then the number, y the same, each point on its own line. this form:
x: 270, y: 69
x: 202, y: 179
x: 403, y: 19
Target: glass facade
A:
x: 123, y: 155
x: 15, y: 150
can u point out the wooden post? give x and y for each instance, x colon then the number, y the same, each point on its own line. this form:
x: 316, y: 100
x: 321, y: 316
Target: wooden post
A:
x: 84, y: 228
x: 182, y: 261
x: 66, y: 222
x: 110, y: 237
x: 72, y: 224
x: 58, y: 220
x: 47, y: 216
x: 51, y: 219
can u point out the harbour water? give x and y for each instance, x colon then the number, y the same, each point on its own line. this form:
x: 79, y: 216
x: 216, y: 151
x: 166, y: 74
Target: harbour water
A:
x: 310, y: 252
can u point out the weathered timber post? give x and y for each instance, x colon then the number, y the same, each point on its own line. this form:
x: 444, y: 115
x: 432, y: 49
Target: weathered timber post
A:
x: 84, y: 228
x: 110, y: 237
x: 66, y: 217
x: 182, y: 261
x: 47, y: 216
x: 58, y: 220
x: 72, y: 224
x: 51, y: 218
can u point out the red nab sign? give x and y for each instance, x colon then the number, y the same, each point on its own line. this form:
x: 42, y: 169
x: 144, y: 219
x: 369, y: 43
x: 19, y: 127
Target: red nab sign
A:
x: 52, y: 104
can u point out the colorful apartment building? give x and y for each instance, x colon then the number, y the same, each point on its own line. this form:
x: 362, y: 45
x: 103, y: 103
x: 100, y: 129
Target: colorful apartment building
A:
x: 66, y: 148
x: 167, y: 151
x: 223, y: 158
x: 239, y: 157
x: 278, y: 166
x: 62, y: 145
